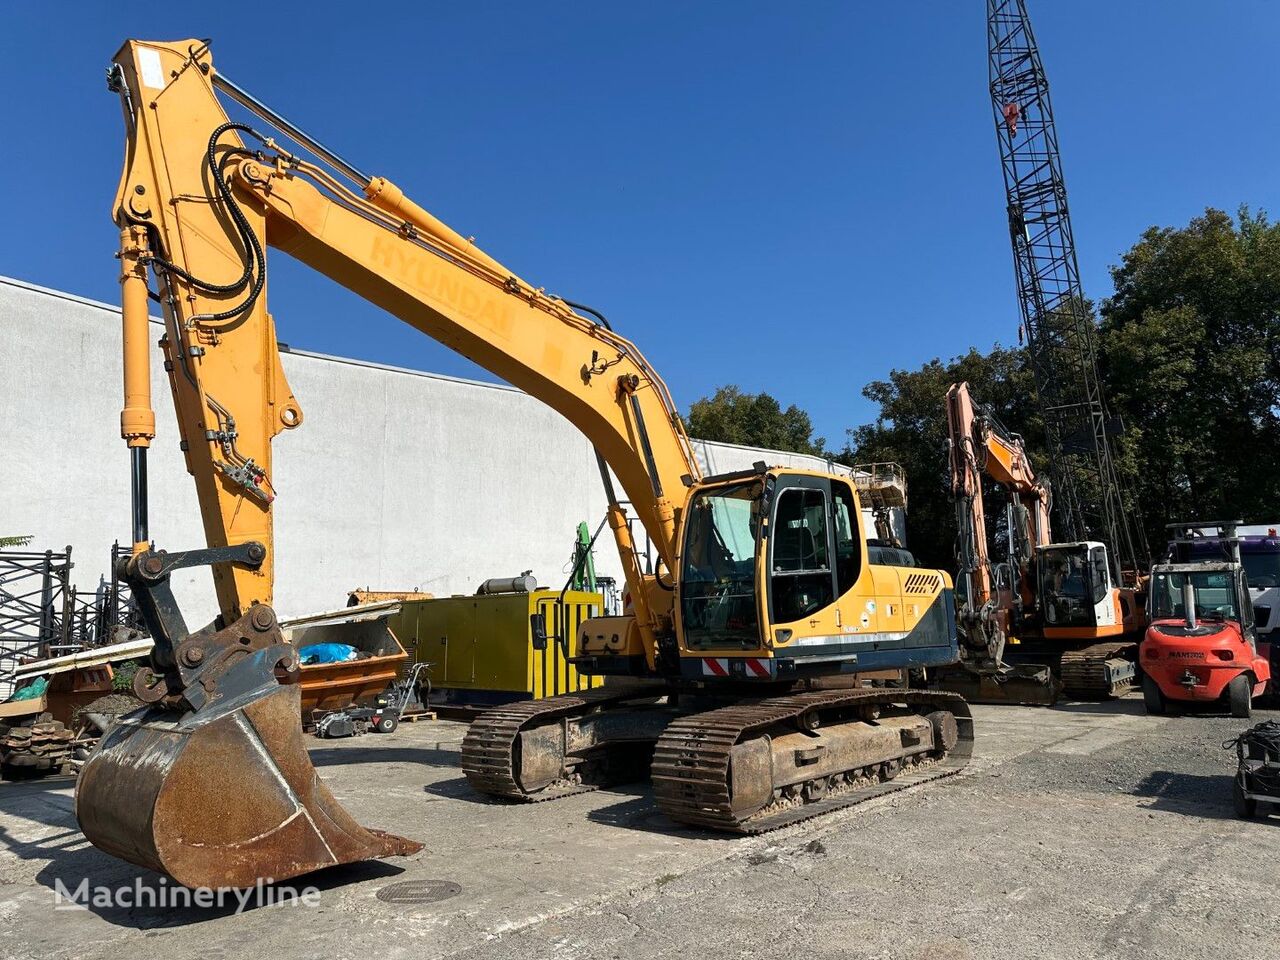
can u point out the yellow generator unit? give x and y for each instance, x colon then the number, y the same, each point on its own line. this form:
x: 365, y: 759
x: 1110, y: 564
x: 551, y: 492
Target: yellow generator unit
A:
x: 509, y: 642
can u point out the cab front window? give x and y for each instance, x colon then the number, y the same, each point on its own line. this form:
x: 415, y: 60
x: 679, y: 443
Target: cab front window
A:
x: 718, y: 580
x: 1212, y: 595
x: 1071, y: 585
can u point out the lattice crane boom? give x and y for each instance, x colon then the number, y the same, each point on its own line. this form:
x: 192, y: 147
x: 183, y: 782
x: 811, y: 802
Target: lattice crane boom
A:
x: 1061, y: 335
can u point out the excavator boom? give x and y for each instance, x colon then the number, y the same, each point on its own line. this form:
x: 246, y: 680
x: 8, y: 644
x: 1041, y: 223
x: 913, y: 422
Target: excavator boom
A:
x: 225, y: 370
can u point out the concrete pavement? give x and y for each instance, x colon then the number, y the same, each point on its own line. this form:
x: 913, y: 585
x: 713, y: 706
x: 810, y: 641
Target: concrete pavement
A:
x: 1080, y: 831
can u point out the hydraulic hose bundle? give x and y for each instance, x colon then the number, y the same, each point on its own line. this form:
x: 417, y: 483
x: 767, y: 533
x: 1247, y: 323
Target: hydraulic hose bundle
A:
x: 255, y: 261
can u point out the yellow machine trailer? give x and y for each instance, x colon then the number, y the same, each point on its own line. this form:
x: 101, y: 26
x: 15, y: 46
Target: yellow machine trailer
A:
x: 499, y: 647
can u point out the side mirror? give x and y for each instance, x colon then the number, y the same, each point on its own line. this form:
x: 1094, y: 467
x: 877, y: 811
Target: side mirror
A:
x: 538, y: 630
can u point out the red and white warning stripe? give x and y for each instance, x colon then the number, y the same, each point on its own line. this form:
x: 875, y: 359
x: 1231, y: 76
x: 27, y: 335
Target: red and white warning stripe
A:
x: 715, y: 666
x: 719, y: 666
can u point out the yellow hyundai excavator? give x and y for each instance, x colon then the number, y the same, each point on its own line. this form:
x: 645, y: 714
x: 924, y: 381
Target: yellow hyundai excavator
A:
x: 733, y: 672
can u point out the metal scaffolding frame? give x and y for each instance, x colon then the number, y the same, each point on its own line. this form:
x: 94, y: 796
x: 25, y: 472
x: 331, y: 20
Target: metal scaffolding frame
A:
x: 43, y: 615
x: 36, y: 607
x: 114, y: 609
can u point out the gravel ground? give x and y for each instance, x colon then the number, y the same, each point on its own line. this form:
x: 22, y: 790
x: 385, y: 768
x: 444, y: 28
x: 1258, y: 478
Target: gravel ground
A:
x: 1081, y: 831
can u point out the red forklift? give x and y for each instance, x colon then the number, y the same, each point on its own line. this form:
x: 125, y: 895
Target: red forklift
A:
x: 1201, y: 645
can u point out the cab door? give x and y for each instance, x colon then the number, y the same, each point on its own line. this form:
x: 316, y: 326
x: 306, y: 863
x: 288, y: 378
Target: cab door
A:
x: 1105, y: 600
x: 861, y: 610
x: 801, y: 552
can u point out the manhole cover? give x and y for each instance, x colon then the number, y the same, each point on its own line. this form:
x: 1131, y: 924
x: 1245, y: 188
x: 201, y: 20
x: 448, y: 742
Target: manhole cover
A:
x: 419, y: 891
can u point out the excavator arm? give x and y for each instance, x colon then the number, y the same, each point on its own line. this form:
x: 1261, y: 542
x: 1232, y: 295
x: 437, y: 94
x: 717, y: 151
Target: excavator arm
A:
x: 975, y: 578
x: 980, y: 445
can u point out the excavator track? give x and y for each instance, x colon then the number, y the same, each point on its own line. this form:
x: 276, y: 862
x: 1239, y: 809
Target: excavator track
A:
x: 1090, y: 674
x: 489, y: 753
x: 691, y: 763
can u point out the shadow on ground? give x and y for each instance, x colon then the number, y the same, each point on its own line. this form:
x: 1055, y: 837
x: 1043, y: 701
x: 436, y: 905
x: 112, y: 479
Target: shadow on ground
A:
x: 634, y: 811
x: 1127, y: 706
x: 459, y: 789
x: 342, y: 756
x: 1192, y: 795
x: 70, y: 860
x: 640, y: 812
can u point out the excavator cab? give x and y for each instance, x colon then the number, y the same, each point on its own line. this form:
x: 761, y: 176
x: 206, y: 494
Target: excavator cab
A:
x: 1075, y: 584
x: 1078, y: 591
x: 720, y: 601
x: 775, y: 566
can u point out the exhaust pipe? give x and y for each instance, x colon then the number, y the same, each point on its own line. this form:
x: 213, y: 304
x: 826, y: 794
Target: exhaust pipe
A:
x: 525, y: 583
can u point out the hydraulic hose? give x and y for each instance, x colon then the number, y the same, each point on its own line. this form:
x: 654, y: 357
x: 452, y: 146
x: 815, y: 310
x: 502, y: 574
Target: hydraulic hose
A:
x: 254, y: 258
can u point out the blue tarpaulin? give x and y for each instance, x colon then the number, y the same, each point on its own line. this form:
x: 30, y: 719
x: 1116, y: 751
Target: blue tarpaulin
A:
x: 327, y: 653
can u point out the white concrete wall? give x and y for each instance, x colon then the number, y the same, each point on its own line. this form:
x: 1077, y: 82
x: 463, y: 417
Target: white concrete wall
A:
x: 397, y: 479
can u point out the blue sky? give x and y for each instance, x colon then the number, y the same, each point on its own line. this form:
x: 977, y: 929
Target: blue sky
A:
x: 791, y: 197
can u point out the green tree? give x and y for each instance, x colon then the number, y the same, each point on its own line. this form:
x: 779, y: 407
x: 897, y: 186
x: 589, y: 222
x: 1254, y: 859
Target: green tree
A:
x: 911, y: 429
x: 7, y: 542
x: 1190, y: 347
x: 754, y: 420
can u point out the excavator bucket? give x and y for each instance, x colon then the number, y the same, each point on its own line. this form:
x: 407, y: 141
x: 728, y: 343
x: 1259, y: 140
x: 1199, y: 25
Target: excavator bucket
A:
x: 224, y: 795
x: 1026, y: 684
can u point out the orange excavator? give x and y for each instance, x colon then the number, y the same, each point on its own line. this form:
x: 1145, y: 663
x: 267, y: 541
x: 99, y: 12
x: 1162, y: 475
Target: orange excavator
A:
x: 733, y: 674
x: 996, y: 601
x: 1049, y: 608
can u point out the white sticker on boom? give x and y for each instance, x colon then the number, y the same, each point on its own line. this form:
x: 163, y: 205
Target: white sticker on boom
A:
x: 149, y: 64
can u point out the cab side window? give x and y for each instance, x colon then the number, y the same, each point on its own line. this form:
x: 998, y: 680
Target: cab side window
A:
x: 848, y: 538
x: 1101, y: 578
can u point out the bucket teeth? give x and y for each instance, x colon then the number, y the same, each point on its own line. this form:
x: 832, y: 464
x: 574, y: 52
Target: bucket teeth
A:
x: 221, y: 797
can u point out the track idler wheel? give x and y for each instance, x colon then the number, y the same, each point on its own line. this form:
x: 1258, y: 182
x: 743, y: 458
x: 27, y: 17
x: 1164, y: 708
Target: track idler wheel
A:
x: 946, y: 731
x: 222, y: 796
